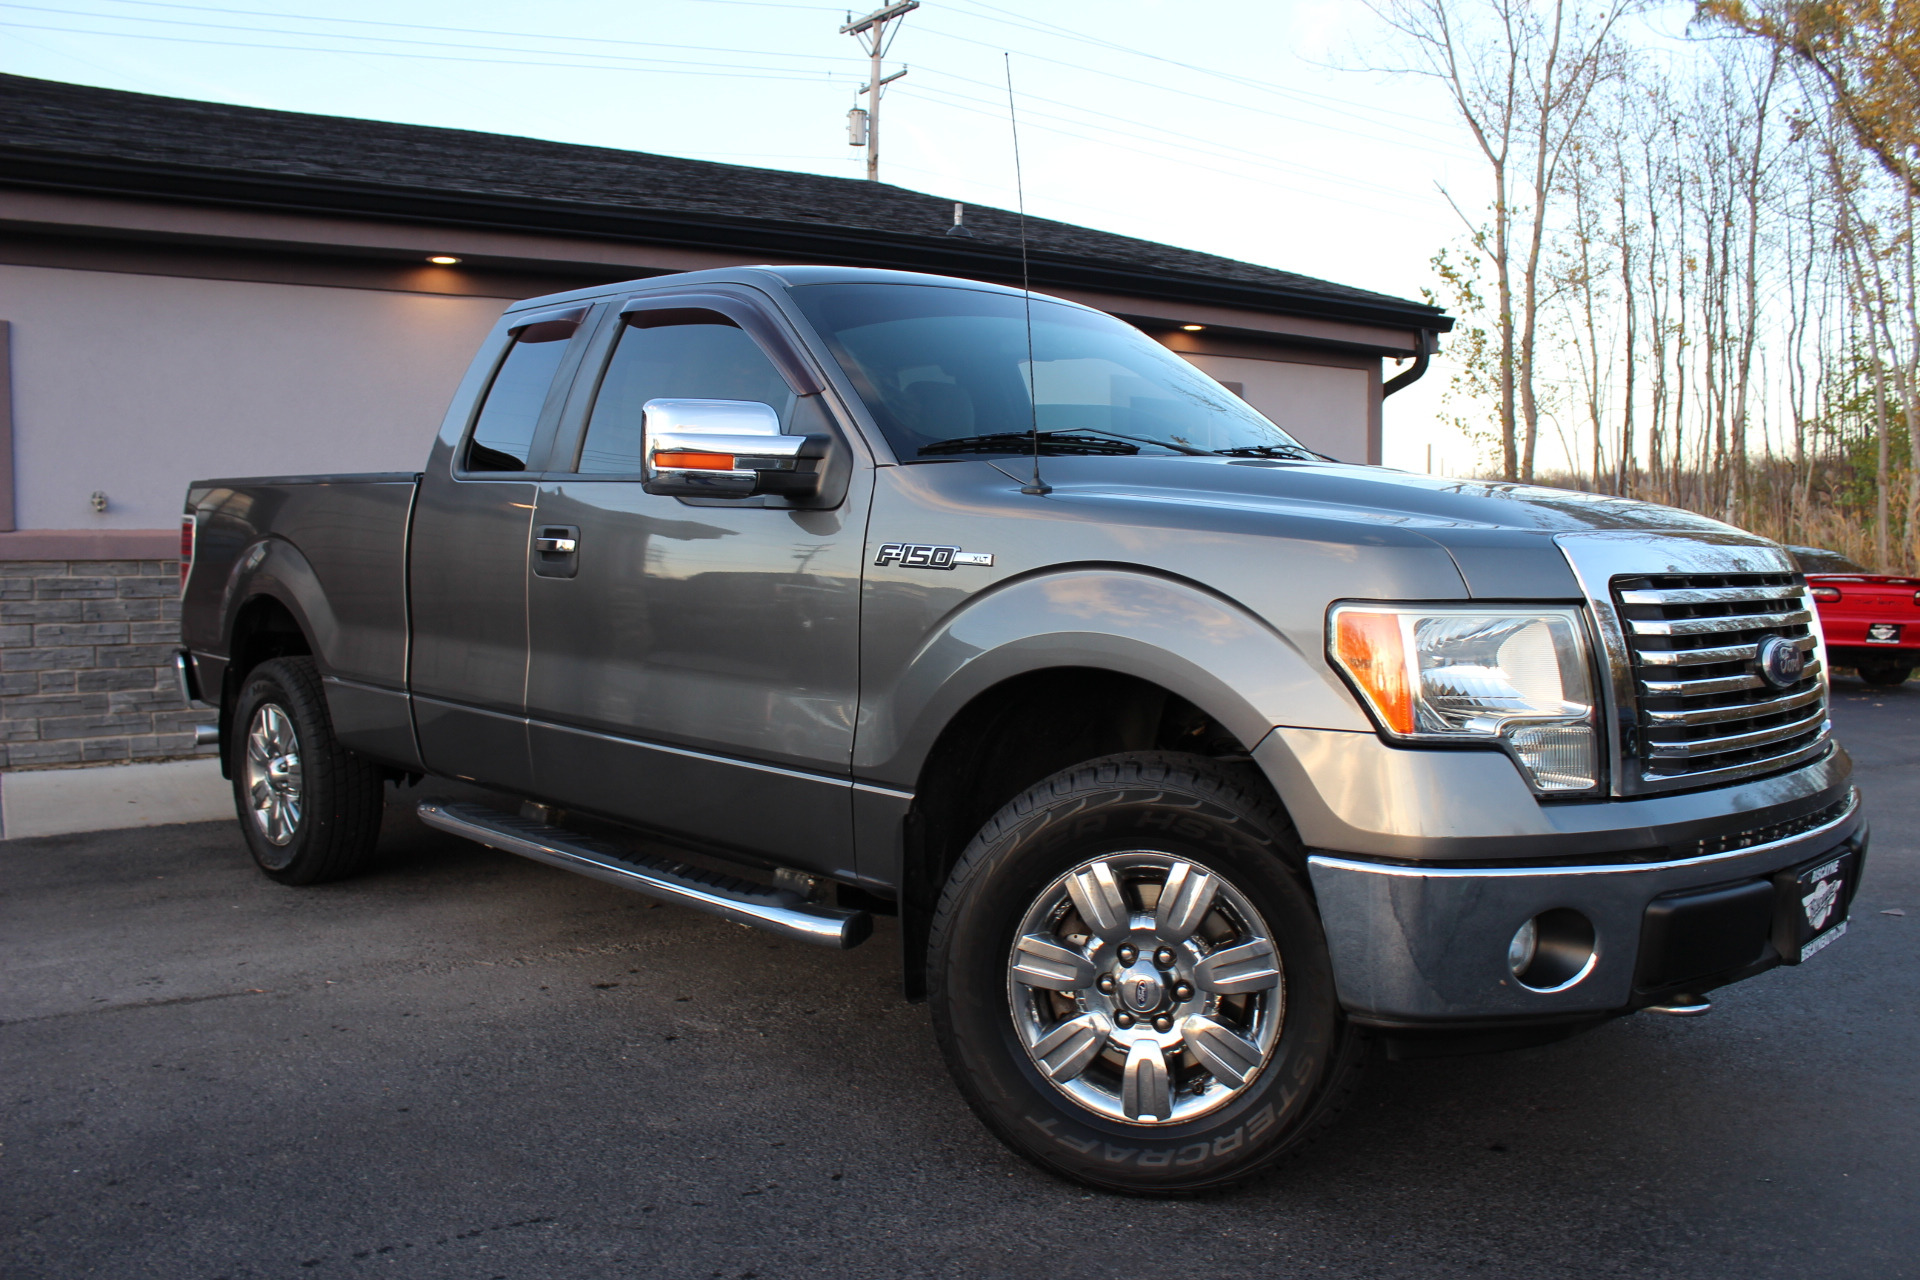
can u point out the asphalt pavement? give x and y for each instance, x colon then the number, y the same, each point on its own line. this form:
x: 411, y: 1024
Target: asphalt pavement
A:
x: 465, y: 1065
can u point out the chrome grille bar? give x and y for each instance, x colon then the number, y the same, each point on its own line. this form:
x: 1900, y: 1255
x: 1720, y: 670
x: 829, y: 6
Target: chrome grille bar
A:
x: 1710, y: 626
x: 1741, y: 711
x: 1708, y: 774
x: 1710, y: 595
x: 1701, y: 657
x: 1699, y: 688
x: 1738, y: 741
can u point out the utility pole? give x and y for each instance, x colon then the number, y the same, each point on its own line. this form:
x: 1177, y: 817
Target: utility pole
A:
x: 872, y: 33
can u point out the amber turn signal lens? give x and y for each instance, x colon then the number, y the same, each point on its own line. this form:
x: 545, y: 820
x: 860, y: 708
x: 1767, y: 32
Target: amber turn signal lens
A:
x: 694, y: 461
x: 1370, y: 647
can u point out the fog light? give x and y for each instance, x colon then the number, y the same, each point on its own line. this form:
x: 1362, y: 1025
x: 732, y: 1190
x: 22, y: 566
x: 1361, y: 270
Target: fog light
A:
x: 1520, y: 952
x: 1553, y: 951
x: 1558, y: 757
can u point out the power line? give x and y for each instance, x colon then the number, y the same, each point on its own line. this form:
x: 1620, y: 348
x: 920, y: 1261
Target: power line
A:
x: 1249, y: 82
x: 410, y: 26
x: 1220, y: 150
x: 1134, y: 80
x: 1035, y: 25
x: 618, y: 62
x: 748, y: 73
x: 1153, y: 155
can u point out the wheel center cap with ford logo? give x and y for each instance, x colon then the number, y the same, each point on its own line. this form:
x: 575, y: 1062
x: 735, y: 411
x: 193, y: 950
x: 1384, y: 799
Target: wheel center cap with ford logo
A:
x: 1140, y: 989
x: 1781, y: 661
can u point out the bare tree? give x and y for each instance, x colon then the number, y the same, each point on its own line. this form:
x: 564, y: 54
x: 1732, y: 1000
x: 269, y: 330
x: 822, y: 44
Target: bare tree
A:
x: 1699, y: 259
x: 1520, y: 76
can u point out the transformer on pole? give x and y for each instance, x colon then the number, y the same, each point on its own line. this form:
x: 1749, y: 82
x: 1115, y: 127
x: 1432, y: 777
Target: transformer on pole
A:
x: 863, y: 123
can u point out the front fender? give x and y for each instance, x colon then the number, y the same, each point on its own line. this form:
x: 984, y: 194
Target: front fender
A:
x: 1178, y: 635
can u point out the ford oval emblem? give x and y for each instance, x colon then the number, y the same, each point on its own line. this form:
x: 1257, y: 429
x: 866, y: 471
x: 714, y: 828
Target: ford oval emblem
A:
x: 1781, y: 661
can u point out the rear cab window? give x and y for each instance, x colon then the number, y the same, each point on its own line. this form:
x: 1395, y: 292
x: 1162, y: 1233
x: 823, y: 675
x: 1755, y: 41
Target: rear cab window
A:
x: 503, y: 431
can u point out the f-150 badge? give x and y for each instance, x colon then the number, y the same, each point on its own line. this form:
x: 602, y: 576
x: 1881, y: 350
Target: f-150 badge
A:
x: 918, y: 555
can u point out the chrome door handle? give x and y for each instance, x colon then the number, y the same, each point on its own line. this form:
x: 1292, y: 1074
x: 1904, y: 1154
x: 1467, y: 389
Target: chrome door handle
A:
x: 556, y: 546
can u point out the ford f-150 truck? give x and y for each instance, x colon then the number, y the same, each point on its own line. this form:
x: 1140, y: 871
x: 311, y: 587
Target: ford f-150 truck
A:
x: 1194, y: 764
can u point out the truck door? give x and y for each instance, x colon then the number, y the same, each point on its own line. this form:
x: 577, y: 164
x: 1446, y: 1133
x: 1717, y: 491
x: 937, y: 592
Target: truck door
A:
x: 694, y: 662
x: 468, y: 558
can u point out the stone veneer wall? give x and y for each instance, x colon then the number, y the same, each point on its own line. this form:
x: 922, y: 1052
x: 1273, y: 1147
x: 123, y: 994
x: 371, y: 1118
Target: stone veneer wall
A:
x: 86, y: 664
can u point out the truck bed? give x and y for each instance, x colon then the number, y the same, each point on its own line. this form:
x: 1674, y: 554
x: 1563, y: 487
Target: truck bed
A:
x: 331, y: 548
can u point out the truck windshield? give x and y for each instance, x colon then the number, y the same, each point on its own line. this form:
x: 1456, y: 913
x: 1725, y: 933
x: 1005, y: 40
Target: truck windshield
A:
x: 945, y: 372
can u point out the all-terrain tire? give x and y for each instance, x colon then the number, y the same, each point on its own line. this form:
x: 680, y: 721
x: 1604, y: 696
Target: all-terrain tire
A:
x: 309, y: 808
x: 1133, y: 810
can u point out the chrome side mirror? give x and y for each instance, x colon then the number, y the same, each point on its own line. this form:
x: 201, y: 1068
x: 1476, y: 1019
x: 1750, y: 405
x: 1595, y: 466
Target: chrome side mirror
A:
x: 726, y: 449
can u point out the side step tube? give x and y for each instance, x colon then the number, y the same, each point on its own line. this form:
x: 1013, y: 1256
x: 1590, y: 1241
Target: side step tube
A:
x: 741, y: 901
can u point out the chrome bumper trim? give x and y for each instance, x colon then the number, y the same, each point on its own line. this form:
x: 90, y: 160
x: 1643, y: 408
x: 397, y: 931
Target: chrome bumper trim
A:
x: 1610, y: 868
x: 185, y: 677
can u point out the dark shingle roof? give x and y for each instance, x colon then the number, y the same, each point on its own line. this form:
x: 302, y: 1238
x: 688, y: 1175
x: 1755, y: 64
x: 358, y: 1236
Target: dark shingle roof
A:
x: 77, y: 137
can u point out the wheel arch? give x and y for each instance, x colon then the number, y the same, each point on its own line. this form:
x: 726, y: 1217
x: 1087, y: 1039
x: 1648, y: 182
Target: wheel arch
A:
x: 1066, y: 667
x: 276, y: 608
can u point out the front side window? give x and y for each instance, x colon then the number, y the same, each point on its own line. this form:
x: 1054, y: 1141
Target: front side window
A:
x: 695, y: 361
x: 503, y: 434
x: 947, y: 372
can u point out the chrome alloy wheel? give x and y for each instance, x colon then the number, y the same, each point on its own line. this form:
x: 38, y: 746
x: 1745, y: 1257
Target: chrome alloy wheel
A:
x: 273, y: 774
x: 1146, y: 988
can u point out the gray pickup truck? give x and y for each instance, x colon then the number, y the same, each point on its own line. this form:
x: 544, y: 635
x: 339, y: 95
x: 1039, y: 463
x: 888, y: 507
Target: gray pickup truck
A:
x: 1194, y: 765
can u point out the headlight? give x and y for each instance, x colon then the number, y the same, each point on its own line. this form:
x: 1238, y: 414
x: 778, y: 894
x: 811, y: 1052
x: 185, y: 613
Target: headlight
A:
x: 1515, y: 678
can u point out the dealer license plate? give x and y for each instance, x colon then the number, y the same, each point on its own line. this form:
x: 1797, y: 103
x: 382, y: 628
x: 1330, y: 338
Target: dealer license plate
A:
x: 1811, y: 903
x: 1883, y: 632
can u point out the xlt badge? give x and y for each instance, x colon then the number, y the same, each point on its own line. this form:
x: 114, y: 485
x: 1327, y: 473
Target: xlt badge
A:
x: 919, y: 555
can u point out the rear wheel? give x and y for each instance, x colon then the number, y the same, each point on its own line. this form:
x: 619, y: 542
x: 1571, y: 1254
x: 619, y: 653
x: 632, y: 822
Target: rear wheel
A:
x: 1130, y: 983
x: 309, y: 808
x: 1884, y: 671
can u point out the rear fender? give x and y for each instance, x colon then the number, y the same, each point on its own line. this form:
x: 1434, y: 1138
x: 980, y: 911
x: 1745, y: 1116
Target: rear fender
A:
x: 275, y: 568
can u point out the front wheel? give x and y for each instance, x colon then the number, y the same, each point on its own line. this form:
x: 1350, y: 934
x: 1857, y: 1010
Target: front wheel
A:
x: 310, y: 808
x: 1130, y: 982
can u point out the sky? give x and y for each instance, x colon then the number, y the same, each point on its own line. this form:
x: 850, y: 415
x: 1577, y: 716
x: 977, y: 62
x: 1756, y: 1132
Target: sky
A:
x: 1247, y: 129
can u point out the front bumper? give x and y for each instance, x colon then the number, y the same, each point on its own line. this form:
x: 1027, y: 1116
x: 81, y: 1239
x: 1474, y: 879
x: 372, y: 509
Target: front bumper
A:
x: 1426, y: 945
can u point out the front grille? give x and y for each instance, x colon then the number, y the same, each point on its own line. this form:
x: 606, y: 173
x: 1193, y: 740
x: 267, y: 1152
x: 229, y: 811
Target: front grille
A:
x: 1704, y: 713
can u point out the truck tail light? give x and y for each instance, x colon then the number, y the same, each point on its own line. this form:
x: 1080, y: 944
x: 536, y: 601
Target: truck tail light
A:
x: 188, y: 528
x: 688, y: 461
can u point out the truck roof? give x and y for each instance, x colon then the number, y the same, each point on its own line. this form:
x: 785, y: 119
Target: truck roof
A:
x: 774, y: 276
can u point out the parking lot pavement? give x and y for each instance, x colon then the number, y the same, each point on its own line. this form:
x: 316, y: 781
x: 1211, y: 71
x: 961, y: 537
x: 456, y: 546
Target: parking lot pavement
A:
x: 466, y: 1065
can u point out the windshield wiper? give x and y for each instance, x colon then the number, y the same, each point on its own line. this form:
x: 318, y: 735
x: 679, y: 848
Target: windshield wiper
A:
x: 1082, y: 440
x: 1019, y: 441
x: 1299, y: 453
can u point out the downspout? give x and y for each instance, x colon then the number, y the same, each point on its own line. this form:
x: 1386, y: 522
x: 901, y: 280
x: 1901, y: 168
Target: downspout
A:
x: 1429, y: 343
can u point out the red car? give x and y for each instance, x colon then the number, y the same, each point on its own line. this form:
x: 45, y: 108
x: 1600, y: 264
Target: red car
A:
x: 1872, y: 620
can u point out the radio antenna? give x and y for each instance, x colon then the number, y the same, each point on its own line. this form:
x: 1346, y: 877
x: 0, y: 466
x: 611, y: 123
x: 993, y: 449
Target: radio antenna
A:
x: 1036, y: 485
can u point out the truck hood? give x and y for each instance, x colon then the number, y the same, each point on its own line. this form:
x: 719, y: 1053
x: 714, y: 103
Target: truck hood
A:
x: 1501, y: 536
x: 1374, y: 495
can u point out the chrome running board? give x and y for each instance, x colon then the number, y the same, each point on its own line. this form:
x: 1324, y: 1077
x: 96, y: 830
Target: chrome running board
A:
x: 741, y: 901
